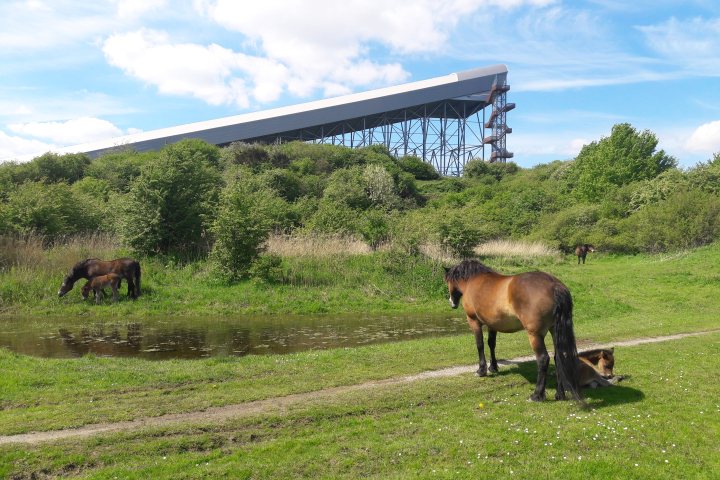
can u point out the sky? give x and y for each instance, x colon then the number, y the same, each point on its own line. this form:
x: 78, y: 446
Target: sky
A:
x: 73, y: 72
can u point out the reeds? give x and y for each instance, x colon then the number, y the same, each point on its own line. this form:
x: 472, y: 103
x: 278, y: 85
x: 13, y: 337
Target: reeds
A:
x: 515, y: 249
x: 313, y: 245
x: 34, y: 252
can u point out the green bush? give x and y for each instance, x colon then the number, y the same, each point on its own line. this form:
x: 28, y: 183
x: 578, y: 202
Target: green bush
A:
x: 119, y: 169
x: 568, y: 227
x: 333, y: 218
x: 418, y: 168
x: 268, y: 268
x: 242, y: 225
x: 685, y: 219
x: 51, y: 210
x: 459, y: 236
x: 375, y: 227
x: 169, y: 207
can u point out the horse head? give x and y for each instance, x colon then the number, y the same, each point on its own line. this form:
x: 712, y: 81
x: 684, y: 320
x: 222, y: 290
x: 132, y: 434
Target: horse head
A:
x: 453, y: 289
x: 606, y: 363
x: 78, y: 271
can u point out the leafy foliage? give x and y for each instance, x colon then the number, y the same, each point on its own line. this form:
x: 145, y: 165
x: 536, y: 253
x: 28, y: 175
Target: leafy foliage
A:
x: 625, y: 156
x: 242, y: 225
x: 169, y: 206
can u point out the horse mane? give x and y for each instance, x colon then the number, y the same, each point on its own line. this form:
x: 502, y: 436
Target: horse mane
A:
x: 466, y: 269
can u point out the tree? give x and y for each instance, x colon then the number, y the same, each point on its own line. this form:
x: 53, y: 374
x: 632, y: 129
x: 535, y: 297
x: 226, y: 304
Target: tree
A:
x: 625, y: 156
x: 242, y: 226
x: 169, y: 205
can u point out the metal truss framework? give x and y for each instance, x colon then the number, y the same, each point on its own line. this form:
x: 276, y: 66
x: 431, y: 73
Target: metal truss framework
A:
x: 446, y: 134
x: 441, y: 120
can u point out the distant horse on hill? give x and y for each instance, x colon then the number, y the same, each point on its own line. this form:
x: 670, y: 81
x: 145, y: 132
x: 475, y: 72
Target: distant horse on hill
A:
x: 582, y: 250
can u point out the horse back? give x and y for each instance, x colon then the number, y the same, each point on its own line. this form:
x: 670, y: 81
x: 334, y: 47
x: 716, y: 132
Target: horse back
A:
x: 120, y: 266
x: 533, y: 299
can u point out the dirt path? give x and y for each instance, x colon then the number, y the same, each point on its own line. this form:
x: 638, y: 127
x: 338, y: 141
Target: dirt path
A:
x: 281, y: 404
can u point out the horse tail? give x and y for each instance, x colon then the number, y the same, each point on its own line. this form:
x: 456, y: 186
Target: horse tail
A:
x: 566, y: 355
x: 137, y: 280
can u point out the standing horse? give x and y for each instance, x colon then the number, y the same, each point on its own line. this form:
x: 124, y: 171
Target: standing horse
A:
x: 96, y: 284
x: 534, y: 301
x: 126, y: 268
x: 582, y: 250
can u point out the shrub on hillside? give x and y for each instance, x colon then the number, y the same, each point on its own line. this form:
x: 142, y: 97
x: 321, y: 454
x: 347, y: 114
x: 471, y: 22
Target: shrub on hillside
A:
x: 419, y: 169
x: 169, y: 206
x: 241, y: 227
x: 685, y: 219
x: 119, y: 169
x: 51, y: 210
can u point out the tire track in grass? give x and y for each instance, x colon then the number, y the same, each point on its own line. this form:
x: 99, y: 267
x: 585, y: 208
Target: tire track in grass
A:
x: 282, y: 404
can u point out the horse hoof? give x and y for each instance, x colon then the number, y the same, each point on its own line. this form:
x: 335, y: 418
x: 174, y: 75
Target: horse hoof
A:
x: 537, y: 397
x: 493, y: 370
x: 481, y: 373
x: 560, y: 397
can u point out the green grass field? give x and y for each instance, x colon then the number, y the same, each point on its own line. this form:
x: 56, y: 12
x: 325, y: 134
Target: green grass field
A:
x: 662, y: 422
x: 397, y: 432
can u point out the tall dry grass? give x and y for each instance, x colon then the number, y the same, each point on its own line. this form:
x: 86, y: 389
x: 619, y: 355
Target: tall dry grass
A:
x: 515, y: 249
x: 313, y: 245
x: 33, y: 252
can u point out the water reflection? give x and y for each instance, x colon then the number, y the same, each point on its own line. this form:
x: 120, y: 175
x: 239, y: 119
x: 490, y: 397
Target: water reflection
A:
x: 189, y: 338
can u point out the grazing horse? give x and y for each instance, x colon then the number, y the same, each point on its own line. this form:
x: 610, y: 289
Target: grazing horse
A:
x: 582, y: 250
x: 97, y: 284
x: 534, y: 301
x: 126, y: 268
x: 596, y: 368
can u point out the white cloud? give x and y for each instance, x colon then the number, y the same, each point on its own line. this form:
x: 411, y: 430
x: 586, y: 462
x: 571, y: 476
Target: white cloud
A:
x: 136, y: 8
x: 692, y: 44
x: 212, y: 73
x: 80, y: 130
x: 13, y: 148
x: 705, y: 139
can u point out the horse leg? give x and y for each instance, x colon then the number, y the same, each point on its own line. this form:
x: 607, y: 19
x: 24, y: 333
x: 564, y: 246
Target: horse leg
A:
x: 98, y: 296
x: 537, y: 343
x: 492, y: 336
x: 477, y: 330
x: 115, y: 293
x: 131, y: 287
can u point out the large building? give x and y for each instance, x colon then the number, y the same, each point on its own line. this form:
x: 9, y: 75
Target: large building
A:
x: 444, y: 120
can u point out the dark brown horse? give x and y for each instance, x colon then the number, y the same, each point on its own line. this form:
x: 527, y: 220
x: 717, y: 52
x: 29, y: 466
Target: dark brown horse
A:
x: 534, y: 301
x: 582, y: 250
x: 126, y: 268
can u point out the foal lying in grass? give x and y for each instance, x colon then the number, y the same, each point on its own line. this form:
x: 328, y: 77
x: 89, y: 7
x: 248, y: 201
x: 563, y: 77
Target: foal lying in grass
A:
x: 97, y: 284
x: 596, y: 368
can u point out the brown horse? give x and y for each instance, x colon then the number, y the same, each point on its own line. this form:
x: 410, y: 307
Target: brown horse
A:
x: 96, y: 284
x: 534, y: 301
x: 596, y: 368
x: 582, y: 250
x: 126, y: 268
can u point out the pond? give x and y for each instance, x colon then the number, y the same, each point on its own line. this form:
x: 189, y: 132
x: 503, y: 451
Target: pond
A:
x: 201, y: 337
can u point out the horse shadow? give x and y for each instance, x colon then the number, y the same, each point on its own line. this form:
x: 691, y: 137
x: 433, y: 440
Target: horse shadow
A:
x: 595, y: 397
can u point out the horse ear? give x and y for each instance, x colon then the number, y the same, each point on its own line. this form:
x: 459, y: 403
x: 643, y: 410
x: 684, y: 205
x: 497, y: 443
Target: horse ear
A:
x: 447, y: 269
x: 612, y: 350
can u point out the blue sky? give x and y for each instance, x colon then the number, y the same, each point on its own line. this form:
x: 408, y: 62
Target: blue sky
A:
x: 79, y: 71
